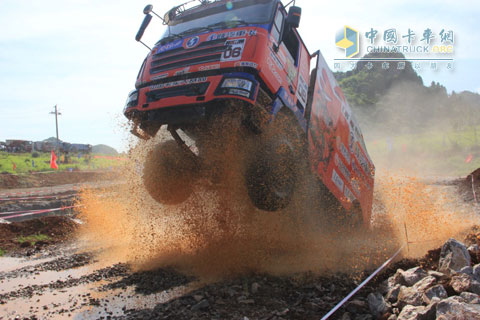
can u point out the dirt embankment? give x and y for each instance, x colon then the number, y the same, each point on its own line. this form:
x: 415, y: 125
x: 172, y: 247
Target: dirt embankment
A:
x: 21, y: 237
x: 49, y: 179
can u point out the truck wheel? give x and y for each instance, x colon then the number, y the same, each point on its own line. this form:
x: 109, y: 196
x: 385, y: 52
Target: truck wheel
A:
x: 272, y: 171
x: 169, y: 173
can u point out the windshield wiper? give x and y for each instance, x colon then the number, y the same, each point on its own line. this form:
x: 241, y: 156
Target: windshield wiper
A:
x: 194, y: 30
x: 169, y: 39
x: 229, y: 23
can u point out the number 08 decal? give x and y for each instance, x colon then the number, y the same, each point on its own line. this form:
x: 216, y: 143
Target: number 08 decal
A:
x: 234, y: 50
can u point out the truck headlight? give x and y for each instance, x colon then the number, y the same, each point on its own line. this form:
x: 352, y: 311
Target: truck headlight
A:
x: 237, y: 83
x: 132, y: 99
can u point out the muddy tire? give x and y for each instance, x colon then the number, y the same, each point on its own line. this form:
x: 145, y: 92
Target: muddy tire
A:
x: 169, y: 173
x: 272, y: 170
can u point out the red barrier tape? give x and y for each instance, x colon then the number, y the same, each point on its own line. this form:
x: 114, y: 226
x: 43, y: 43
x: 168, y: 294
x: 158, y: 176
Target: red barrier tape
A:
x: 8, y: 196
x: 33, y: 198
x: 33, y: 212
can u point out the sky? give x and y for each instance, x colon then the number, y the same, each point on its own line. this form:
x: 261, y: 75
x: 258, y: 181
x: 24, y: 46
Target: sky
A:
x: 81, y: 55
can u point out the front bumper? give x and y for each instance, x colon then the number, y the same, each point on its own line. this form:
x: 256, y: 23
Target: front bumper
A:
x: 196, y: 90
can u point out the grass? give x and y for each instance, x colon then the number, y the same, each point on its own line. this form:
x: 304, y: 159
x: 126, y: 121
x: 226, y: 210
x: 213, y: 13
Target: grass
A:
x: 2, y: 252
x: 23, y: 163
x: 435, y: 151
x: 34, y: 238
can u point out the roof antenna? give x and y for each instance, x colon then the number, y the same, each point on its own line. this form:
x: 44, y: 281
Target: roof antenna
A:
x: 290, y: 3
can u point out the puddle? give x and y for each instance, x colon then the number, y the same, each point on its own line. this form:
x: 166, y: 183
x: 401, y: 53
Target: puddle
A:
x: 10, y: 264
x: 45, y: 277
x: 75, y: 302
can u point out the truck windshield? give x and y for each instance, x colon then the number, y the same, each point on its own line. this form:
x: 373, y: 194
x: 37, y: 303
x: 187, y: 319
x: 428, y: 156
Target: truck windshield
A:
x: 223, y: 14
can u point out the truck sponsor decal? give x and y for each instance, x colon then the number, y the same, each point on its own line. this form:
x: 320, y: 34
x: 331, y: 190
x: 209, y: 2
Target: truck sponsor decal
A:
x: 183, y: 71
x: 274, y: 70
x: 350, y: 196
x: 192, y: 42
x: 277, y: 60
x: 231, y: 34
x: 246, y: 64
x: 337, y: 180
x: 234, y: 50
x: 178, y: 83
x: 362, y: 160
x: 355, y: 186
x: 344, y: 152
x: 170, y: 46
x: 302, y: 91
x: 160, y: 76
x: 209, y: 67
x: 342, y: 167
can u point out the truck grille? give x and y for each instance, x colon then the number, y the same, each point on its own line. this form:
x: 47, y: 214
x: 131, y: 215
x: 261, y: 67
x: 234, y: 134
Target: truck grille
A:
x: 188, y: 90
x: 208, y: 51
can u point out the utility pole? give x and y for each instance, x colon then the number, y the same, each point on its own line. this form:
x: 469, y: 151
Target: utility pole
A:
x: 56, y: 113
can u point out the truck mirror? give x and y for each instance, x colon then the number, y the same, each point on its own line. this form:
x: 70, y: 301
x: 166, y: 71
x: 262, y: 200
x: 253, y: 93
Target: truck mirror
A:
x: 294, y: 15
x: 148, y: 9
x: 144, y: 26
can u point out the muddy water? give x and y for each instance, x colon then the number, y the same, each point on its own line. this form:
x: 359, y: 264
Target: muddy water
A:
x: 46, y: 295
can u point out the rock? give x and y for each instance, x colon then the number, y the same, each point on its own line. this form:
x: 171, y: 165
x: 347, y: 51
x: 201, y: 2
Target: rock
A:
x: 475, y: 287
x: 474, y: 250
x: 469, y: 297
x: 201, y: 305
x: 346, y: 316
x: 467, y: 270
x: 453, y: 309
x: 409, y: 296
x: 364, y: 317
x: 255, y: 287
x: 430, y: 311
x: 476, y: 272
x: 396, y: 279
x: 411, y: 313
x: 425, y: 283
x: 356, y: 306
x: 392, y: 317
x: 437, y: 291
x: 412, y: 276
x: 454, y: 256
x: 377, y: 304
x: 461, y: 282
x: 436, y: 274
x: 198, y: 297
x: 418, y: 312
x: 247, y: 301
x: 392, y: 294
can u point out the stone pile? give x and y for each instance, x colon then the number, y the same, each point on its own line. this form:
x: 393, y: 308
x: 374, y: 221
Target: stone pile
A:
x: 451, y: 292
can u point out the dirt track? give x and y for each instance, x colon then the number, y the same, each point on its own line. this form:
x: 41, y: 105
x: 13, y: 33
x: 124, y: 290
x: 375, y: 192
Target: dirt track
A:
x: 61, y: 277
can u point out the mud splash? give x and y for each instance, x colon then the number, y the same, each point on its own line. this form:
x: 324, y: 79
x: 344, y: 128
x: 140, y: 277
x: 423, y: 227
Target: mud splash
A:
x: 218, y: 233
x: 422, y: 214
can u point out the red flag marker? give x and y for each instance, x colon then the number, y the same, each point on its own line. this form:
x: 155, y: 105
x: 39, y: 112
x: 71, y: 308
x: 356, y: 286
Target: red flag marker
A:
x: 53, y: 161
x: 14, y: 166
x: 469, y: 158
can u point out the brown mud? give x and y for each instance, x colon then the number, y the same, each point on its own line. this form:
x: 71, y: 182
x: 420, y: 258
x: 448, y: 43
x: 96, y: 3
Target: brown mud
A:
x: 49, y: 179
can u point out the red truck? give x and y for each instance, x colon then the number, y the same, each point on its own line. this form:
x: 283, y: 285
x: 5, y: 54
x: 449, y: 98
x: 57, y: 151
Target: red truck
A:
x: 245, y: 61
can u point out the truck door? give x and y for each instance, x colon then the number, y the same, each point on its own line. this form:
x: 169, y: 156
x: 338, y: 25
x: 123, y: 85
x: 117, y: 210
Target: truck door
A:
x: 287, y: 55
x: 336, y: 147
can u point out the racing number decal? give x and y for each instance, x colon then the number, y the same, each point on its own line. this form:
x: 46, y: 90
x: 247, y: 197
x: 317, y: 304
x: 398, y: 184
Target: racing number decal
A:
x: 234, y: 50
